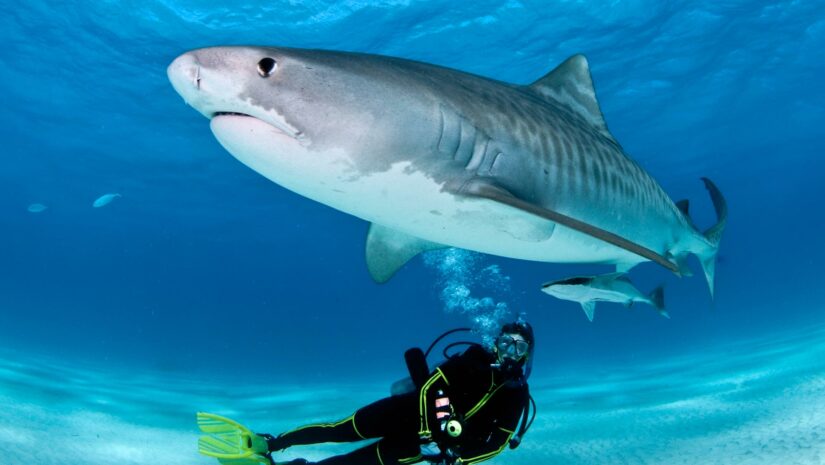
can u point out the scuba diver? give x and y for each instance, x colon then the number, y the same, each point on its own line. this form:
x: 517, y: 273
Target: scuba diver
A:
x: 465, y: 411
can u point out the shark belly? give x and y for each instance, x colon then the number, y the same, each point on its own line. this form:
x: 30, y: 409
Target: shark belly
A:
x: 411, y: 202
x: 417, y: 205
x: 407, y: 200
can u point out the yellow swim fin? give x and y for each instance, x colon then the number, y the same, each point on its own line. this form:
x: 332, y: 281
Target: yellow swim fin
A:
x: 230, y: 442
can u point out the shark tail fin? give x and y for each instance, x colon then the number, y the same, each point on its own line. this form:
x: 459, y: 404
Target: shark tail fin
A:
x: 657, y: 299
x: 713, y: 235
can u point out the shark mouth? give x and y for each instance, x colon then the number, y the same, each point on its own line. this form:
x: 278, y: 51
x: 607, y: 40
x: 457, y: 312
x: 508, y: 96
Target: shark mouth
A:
x: 278, y: 124
x: 225, y: 113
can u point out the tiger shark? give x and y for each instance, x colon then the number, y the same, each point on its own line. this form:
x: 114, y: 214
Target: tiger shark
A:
x: 435, y: 157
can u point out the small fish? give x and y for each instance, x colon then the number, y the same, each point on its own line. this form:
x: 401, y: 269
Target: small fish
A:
x: 612, y: 287
x: 37, y: 208
x: 104, y: 200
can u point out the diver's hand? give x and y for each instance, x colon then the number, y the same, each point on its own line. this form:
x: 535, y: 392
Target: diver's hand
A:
x: 436, y: 455
x: 451, y: 456
x: 446, y: 457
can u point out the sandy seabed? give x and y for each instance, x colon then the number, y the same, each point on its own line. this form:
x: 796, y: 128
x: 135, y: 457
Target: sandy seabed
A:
x: 752, y: 402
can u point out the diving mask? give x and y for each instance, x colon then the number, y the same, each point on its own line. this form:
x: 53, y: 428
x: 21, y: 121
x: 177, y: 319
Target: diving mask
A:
x: 512, y: 347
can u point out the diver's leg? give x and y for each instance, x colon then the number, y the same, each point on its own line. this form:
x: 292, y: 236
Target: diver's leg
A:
x: 395, y: 416
x: 341, y: 431
x: 387, y: 416
x: 395, y: 451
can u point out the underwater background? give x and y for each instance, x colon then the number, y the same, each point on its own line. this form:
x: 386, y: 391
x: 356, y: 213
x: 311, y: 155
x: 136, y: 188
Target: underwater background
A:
x: 204, y: 286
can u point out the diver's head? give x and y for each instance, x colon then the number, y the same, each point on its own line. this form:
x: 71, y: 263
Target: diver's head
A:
x: 514, y: 349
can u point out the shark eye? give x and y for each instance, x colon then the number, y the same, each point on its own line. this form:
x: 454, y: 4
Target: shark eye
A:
x: 267, y: 66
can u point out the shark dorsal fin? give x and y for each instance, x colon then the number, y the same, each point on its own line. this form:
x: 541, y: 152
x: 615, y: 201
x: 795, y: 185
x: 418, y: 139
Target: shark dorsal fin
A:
x: 570, y: 84
x: 684, y: 206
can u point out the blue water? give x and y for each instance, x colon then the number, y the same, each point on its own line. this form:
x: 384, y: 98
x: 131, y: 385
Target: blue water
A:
x: 204, y: 270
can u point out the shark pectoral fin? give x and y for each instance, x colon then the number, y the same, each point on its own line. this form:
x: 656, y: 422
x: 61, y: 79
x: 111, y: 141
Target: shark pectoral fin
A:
x: 589, y: 308
x: 388, y: 250
x: 482, y: 188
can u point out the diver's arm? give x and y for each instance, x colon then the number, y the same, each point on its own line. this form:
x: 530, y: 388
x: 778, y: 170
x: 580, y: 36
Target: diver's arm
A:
x: 495, y: 444
x: 507, y: 411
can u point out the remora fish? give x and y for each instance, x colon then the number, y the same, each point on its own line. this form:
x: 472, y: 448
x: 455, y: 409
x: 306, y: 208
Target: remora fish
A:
x: 436, y: 157
x: 612, y: 287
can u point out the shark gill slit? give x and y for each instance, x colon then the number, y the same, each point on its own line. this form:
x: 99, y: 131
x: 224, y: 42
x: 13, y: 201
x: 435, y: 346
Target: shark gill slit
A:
x: 479, y: 152
x: 457, y: 147
x: 450, y: 138
x: 487, y: 163
x: 466, y: 142
x: 496, y: 160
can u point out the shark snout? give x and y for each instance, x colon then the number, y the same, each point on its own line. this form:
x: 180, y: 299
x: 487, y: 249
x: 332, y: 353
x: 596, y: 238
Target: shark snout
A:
x: 189, y: 79
x: 184, y: 74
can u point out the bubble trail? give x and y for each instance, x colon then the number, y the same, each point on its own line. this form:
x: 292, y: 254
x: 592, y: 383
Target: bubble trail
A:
x: 462, y: 276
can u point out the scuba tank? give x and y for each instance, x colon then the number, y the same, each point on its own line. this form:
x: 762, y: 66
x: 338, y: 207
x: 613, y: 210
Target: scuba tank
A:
x: 417, y: 367
x: 419, y: 372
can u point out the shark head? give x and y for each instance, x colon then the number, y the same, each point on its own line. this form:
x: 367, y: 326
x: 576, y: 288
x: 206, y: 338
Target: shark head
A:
x: 312, y: 121
x: 568, y: 289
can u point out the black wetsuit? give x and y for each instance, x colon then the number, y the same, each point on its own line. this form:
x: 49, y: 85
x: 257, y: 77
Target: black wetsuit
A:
x: 489, y: 404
